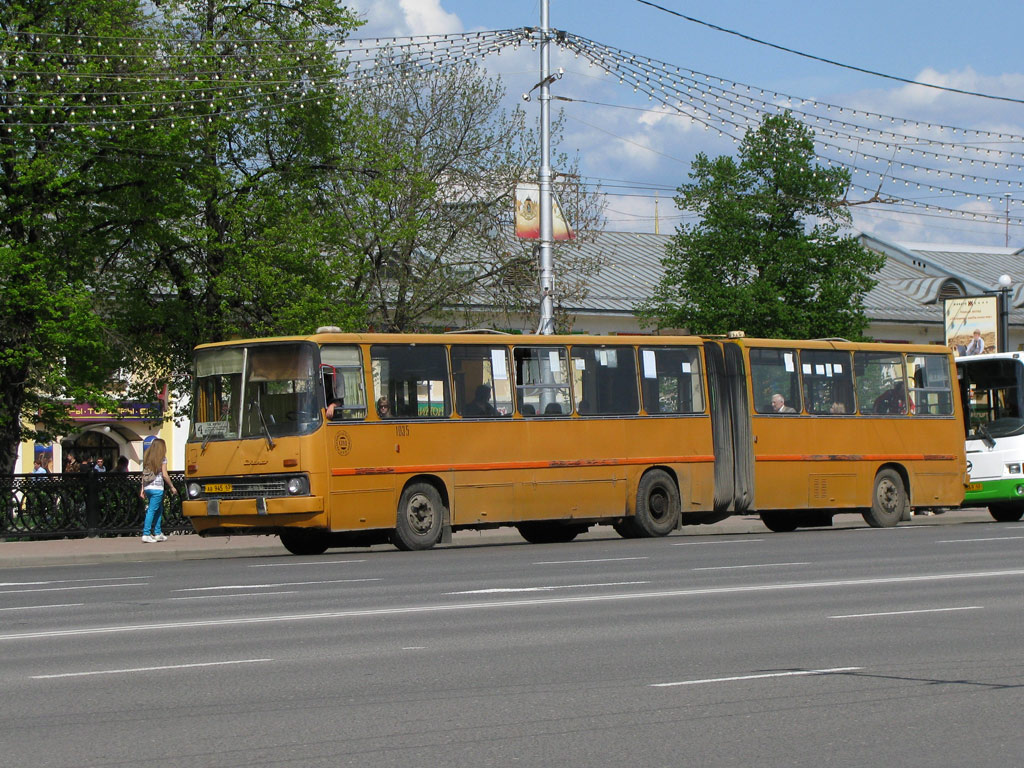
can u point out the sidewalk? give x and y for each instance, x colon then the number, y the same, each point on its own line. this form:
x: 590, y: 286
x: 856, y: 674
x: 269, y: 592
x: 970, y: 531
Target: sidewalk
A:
x: 18, y: 554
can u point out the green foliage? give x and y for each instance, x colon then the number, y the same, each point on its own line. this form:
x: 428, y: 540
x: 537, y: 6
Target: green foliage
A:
x: 767, y: 256
x: 233, y: 235
x: 54, y: 215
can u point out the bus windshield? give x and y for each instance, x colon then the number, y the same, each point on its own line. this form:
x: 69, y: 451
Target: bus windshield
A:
x: 993, y: 388
x: 262, y: 391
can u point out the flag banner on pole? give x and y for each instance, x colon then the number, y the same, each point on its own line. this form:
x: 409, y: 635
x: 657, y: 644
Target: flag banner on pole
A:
x: 528, y: 215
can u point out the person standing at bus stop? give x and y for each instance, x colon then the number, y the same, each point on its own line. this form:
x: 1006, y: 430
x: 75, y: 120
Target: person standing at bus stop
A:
x: 154, y: 480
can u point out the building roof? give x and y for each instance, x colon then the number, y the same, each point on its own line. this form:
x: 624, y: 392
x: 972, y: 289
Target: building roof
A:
x: 911, y: 285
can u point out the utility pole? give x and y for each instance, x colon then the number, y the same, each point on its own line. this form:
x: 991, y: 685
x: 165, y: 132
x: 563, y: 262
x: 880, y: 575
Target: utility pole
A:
x: 547, y: 279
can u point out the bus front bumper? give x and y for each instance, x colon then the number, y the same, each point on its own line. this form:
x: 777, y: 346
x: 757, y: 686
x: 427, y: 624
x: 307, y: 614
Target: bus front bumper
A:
x: 260, y: 506
x: 984, y: 491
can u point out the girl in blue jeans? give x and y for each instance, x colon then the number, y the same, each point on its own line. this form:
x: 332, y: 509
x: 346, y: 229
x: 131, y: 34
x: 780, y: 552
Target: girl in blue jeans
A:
x: 154, y: 480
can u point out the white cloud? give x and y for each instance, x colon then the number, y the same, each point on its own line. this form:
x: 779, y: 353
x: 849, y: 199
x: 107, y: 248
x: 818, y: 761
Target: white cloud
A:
x: 397, y: 18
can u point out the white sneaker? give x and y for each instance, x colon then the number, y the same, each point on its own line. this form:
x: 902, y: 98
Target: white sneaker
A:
x: 160, y: 537
x: 147, y: 539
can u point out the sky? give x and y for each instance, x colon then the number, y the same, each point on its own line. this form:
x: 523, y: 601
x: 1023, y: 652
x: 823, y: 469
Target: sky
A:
x: 962, y: 183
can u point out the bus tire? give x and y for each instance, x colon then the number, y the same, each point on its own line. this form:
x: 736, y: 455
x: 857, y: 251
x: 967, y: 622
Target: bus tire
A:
x: 888, y: 500
x: 779, y: 522
x: 657, y: 504
x: 305, y: 542
x: 421, y: 515
x: 549, y: 533
x: 1006, y: 513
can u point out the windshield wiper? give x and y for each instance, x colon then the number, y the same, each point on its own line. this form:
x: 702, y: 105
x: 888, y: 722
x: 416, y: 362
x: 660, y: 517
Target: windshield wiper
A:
x: 986, y: 436
x: 263, y: 421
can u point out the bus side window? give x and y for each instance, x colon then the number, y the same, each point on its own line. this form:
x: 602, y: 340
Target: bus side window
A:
x: 881, y: 385
x: 413, y: 378
x: 604, y: 380
x: 670, y: 380
x: 483, y: 386
x: 343, y: 380
x: 542, y: 379
x: 828, y: 381
x: 931, y: 385
x: 773, y: 372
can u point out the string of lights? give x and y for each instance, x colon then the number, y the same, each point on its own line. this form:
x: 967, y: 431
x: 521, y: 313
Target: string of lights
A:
x: 71, y: 83
x: 724, y: 107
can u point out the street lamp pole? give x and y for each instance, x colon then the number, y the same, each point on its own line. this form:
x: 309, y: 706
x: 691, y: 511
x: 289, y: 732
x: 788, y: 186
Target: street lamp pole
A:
x: 1004, y: 313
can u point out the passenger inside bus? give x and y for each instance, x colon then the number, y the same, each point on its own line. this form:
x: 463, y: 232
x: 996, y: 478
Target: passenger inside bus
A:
x: 480, y: 405
x: 893, y: 400
x: 779, y: 404
x: 383, y: 408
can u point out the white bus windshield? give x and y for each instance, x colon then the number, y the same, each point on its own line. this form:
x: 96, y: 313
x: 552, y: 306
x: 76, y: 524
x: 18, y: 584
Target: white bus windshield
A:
x: 993, y: 387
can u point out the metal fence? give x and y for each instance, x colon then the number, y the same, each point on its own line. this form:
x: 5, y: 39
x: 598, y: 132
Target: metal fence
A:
x: 78, y: 505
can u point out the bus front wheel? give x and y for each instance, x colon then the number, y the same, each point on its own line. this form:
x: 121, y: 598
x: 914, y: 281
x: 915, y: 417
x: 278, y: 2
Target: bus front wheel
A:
x: 1006, y: 513
x: 303, y: 542
x: 657, y: 505
x: 420, y: 517
x: 888, y: 500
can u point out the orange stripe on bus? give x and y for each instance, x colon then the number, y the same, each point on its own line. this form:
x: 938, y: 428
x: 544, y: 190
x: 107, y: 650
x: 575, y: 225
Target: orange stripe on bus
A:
x: 500, y: 465
x: 857, y: 457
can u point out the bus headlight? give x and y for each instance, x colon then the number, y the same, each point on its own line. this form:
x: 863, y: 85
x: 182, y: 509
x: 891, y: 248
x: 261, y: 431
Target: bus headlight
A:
x: 194, y: 489
x: 297, y: 486
x: 1013, y: 469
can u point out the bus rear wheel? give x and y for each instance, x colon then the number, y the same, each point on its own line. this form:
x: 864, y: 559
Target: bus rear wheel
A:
x: 549, y: 533
x: 888, y: 501
x: 1006, y: 513
x: 657, y: 506
x: 779, y: 522
x: 304, y: 542
x: 420, y: 517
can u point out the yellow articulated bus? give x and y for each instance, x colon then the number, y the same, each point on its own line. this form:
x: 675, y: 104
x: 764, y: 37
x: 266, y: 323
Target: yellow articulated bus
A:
x: 355, y: 439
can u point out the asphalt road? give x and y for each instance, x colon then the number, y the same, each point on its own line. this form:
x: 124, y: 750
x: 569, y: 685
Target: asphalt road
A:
x: 845, y: 647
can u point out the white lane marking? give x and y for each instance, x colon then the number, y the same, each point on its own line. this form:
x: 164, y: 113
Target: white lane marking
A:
x: 30, y: 607
x: 702, y: 543
x: 296, y: 565
x: 800, y: 673
x: 524, y: 603
x: 904, y: 613
x: 270, y: 586
x: 67, y: 581
x: 993, y: 538
x: 415, y: 648
x: 736, y: 567
x: 67, y: 589
x: 148, y: 669
x: 595, y: 560
x: 234, y: 594
x: 503, y: 590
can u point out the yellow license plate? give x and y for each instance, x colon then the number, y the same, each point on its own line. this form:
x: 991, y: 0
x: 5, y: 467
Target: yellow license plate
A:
x: 974, y: 486
x: 218, y: 487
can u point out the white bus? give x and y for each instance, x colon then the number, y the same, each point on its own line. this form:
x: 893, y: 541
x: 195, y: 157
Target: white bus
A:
x: 992, y: 387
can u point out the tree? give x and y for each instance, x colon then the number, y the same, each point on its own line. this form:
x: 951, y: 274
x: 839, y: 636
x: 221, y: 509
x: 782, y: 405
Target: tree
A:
x: 433, y: 231
x: 235, y: 238
x: 58, y: 177
x: 767, y: 256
